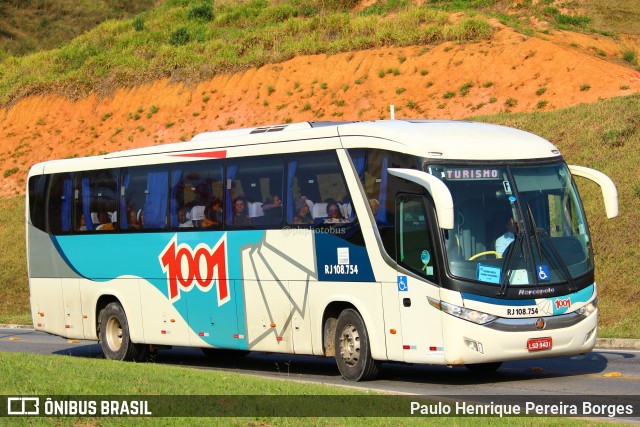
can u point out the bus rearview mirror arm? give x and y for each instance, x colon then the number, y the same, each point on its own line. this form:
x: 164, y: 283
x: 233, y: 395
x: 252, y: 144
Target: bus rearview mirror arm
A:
x: 438, y: 190
x: 609, y: 191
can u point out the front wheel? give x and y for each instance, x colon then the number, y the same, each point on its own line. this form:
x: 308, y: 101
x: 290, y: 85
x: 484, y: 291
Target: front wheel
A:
x: 114, y: 336
x: 353, y: 353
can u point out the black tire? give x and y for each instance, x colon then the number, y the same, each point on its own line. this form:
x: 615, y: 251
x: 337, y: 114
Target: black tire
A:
x: 483, y: 368
x: 114, y: 336
x: 223, y: 354
x: 353, y: 353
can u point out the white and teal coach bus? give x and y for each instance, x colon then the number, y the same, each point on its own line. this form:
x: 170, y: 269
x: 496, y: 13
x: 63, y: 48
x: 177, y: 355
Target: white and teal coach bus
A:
x: 432, y: 242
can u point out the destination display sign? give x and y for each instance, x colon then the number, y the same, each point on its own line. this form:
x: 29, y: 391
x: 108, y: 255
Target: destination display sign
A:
x: 472, y: 173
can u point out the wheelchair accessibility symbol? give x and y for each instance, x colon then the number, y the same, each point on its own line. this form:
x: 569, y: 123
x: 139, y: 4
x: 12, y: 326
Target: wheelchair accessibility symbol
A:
x: 543, y: 273
x: 402, y: 284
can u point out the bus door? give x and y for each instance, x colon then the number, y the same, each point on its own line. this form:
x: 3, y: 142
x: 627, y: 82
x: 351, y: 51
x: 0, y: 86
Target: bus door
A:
x: 417, y: 279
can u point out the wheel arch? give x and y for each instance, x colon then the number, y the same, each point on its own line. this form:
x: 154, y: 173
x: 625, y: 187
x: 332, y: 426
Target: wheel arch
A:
x: 330, y: 318
x: 329, y: 321
x: 130, y: 310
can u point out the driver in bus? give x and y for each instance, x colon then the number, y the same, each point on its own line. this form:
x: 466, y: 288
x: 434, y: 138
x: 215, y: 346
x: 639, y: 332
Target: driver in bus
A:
x: 508, y: 237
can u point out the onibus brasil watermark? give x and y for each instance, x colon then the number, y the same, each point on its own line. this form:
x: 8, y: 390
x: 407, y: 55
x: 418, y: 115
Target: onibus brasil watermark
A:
x: 36, y: 406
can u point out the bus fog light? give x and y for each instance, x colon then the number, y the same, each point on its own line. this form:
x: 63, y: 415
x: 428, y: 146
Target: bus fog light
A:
x: 588, y: 336
x: 474, y: 345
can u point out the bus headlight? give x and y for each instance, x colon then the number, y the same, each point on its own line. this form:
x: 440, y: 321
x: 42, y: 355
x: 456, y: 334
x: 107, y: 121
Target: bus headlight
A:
x: 589, y: 308
x: 463, y: 313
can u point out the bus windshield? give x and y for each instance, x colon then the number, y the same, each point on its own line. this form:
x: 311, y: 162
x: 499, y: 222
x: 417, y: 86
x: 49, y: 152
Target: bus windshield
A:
x: 515, y: 225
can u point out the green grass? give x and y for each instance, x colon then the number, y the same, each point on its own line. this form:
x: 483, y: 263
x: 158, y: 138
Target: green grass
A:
x: 29, y: 26
x: 240, y: 35
x: 26, y: 374
x: 606, y: 136
x: 14, y: 292
x: 524, y: 15
x: 614, y: 15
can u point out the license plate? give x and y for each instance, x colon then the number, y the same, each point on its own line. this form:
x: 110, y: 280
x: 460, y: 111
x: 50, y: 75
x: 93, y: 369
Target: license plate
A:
x: 537, y: 344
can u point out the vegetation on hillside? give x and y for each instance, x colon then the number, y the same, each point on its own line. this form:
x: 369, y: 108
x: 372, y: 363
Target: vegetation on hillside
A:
x: 614, y: 16
x: 14, y: 292
x: 195, y: 40
x: 27, y: 26
x: 192, y: 41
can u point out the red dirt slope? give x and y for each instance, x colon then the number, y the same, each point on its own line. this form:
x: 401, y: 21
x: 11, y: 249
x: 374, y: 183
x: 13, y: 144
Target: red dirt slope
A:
x: 511, y: 72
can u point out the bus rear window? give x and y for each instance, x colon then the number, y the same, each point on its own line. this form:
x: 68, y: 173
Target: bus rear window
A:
x: 37, y: 185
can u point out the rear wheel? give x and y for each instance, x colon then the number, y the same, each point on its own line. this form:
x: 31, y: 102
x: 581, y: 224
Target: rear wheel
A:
x: 114, y: 336
x: 353, y: 353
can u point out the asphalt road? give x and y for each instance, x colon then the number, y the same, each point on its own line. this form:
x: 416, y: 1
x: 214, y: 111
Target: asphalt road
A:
x: 602, y: 372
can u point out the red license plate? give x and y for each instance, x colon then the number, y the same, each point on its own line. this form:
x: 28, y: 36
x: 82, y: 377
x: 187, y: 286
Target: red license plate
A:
x: 537, y: 344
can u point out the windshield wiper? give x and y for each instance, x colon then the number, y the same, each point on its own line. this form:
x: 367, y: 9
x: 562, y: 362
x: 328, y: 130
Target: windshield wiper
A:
x: 560, y: 261
x: 512, y: 249
x: 539, y: 234
x: 535, y: 231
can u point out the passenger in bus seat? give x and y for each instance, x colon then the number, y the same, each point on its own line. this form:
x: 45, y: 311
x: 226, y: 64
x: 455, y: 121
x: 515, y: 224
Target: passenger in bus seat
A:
x: 272, y: 208
x: 240, y: 215
x: 103, y: 219
x: 375, y: 206
x: 213, y: 215
x: 334, y: 216
x: 272, y: 202
x: 83, y: 224
x: 133, y: 220
x: 197, y: 215
x: 303, y: 213
x: 183, y: 222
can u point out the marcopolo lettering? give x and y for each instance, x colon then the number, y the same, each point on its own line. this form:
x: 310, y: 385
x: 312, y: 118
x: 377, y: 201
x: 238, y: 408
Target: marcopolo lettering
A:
x: 201, y: 266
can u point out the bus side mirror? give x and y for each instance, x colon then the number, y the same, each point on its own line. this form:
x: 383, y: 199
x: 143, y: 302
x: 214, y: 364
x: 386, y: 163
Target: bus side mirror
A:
x: 609, y: 191
x: 438, y: 190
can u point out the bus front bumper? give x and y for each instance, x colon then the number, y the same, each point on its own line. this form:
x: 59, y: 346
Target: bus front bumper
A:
x: 516, y: 339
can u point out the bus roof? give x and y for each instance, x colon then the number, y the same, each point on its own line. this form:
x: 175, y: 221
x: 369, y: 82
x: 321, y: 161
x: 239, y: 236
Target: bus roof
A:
x: 439, y: 139
x: 455, y: 140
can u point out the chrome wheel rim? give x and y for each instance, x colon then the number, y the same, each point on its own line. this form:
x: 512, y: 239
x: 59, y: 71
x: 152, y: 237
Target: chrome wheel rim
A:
x: 350, y: 345
x: 113, y: 334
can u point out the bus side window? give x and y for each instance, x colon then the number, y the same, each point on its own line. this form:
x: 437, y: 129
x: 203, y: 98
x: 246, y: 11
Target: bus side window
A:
x: 315, y: 186
x: 381, y: 188
x: 197, y: 196
x: 59, y: 203
x: 254, y: 192
x: 98, y: 192
x: 37, y: 185
x: 143, y: 198
x: 317, y: 196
